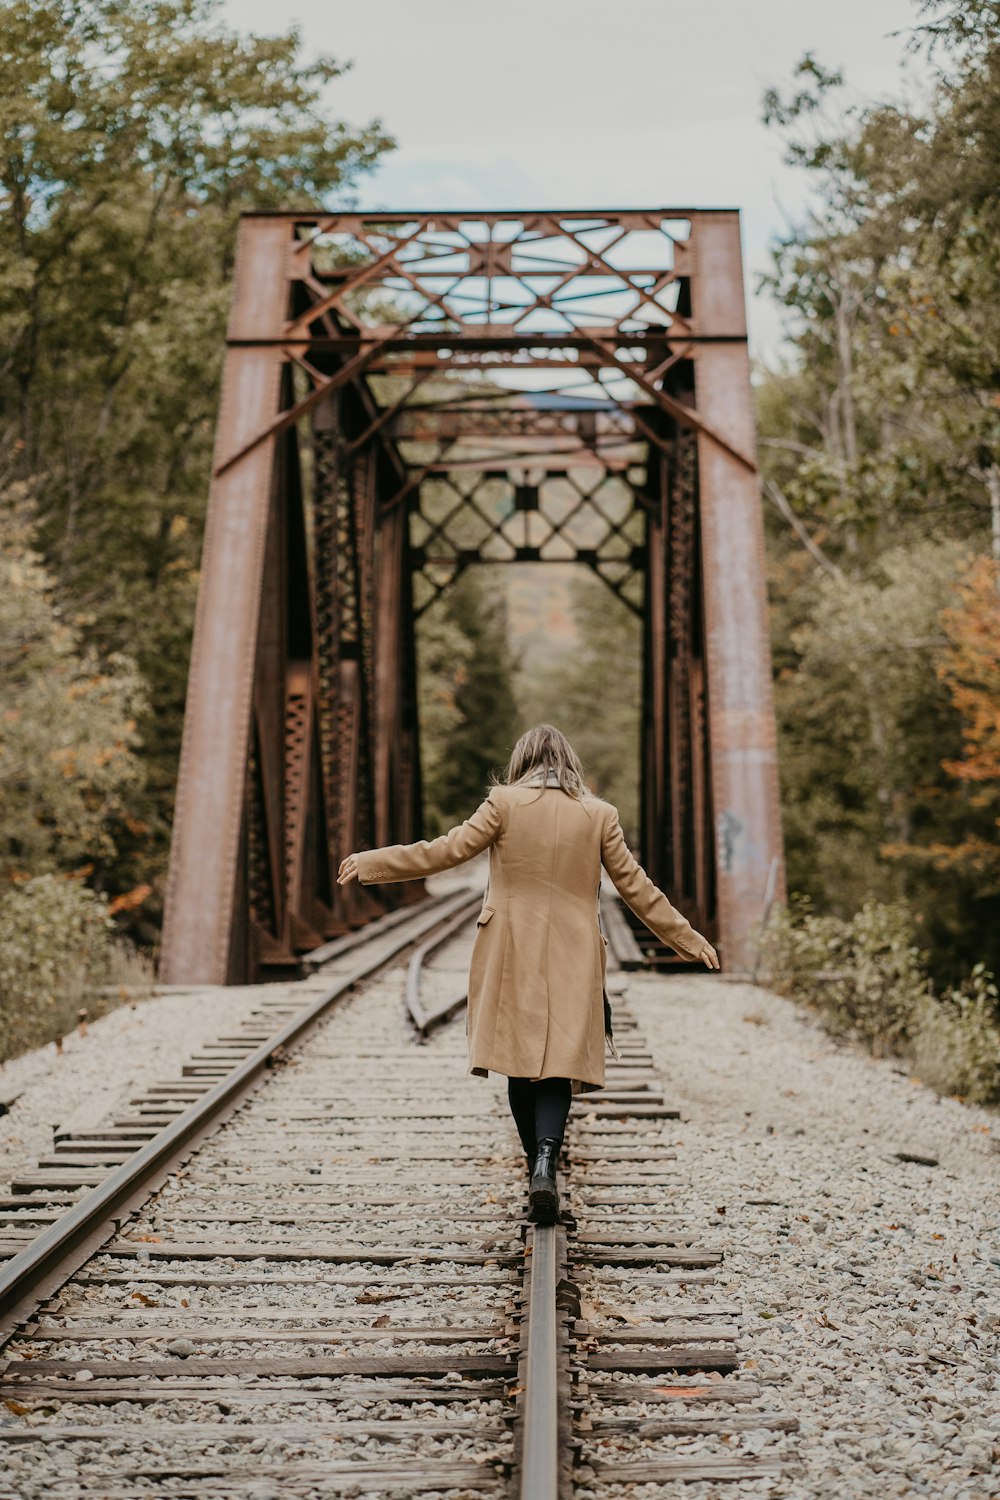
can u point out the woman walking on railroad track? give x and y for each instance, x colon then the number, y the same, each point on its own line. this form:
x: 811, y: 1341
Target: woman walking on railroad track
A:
x: 536, y: 979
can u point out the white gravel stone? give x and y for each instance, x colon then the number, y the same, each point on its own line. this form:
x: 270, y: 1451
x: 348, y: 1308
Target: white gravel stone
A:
x: 869, y: 1286
x: 140, y: 1043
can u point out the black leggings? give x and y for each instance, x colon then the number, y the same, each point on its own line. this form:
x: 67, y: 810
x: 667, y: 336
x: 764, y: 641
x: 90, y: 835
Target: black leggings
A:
x: 540, y: 1109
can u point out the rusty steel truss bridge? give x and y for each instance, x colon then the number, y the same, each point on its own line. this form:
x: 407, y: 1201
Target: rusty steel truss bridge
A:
x: 406, y: 395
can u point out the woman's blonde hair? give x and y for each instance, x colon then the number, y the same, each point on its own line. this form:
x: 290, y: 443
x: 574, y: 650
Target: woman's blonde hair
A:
x: 546, y: 748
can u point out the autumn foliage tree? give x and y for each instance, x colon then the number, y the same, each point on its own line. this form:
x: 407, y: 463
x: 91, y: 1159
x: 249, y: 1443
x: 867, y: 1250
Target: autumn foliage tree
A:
x: 70, y: 770
x: 970, y: 667
x: 69, y: 763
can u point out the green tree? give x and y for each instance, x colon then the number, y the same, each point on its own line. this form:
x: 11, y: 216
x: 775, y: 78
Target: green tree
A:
x: 134, y: 133
x: 881, y: 449
x: 593, y: 693
x: 468, y: 713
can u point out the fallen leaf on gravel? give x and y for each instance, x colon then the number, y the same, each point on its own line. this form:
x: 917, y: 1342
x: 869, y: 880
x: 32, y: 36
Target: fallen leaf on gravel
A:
x: 17, y: 1408
x: 146, y: 1301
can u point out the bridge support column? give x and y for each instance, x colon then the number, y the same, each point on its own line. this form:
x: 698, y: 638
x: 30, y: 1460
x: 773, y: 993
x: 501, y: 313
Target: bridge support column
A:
x: 741, y: 725
x: 207, y: 857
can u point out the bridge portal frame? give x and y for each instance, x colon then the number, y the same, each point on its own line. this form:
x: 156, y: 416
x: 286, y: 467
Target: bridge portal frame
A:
x: 300, y: 734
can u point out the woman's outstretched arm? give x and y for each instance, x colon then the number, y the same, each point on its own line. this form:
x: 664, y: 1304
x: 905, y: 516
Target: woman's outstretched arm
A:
x: 426, y: 857
x: 647, y: 900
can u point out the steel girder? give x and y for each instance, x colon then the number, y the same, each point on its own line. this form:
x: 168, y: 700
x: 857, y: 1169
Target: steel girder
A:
x: 405, y: 395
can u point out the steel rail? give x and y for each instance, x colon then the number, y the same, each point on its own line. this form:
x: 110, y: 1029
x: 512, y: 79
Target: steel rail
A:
x: 317, y: 958
x: 539, y: 1458
x: 38, y: 1270
x: 422, y: 1019
x: 539, y: 1478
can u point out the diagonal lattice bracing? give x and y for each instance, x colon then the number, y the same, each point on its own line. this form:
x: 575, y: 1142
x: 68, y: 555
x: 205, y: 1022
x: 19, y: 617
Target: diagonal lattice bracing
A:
x: 567, y: 517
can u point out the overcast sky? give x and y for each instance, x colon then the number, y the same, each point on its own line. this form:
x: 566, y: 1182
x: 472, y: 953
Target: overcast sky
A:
x: 620, y: 104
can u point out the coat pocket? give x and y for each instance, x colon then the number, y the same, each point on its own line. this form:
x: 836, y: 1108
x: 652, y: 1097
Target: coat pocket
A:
x: 484, y: 915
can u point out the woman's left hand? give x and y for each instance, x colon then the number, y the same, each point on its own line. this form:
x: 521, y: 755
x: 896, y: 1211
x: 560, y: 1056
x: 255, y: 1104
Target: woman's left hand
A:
x: 348, y: 869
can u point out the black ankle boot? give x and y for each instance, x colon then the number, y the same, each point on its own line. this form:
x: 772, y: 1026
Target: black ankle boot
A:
x: 542, y: 1194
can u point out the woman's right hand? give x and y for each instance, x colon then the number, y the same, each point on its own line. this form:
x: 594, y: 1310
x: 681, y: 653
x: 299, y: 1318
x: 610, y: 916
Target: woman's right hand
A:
x: 709, y: 957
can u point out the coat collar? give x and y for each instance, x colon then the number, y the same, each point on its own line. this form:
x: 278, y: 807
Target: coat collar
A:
x: 535, y: 779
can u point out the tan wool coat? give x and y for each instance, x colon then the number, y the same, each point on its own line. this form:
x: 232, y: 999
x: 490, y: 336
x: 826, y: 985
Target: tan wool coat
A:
x: 536, y: 978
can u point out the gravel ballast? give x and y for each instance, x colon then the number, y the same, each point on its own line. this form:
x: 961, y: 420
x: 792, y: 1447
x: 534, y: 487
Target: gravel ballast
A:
x: 142, y: 1042
x: 868, y: 1284
x: 351, y: 1149
x: 864, y: 1281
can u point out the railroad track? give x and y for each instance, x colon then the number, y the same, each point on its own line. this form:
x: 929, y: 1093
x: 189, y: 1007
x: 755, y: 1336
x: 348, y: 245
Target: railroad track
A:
x: 302, y: 1270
